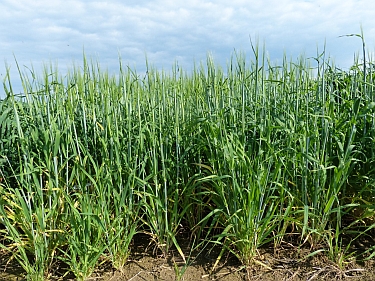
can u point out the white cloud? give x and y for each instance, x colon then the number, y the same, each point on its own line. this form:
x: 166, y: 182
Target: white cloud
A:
x: 166, y: 30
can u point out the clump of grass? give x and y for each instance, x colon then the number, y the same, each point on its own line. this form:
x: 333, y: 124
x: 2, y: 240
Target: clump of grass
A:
x: 241, y: 157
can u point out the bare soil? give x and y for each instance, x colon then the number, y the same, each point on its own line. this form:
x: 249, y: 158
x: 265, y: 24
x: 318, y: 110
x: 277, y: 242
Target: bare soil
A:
x: 287, y: 263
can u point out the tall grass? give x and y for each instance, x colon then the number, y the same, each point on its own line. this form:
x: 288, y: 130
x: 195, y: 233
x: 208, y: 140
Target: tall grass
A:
x: 247, y: 156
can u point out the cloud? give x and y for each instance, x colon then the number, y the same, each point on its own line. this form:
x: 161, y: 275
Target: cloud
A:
x: 167, y: 30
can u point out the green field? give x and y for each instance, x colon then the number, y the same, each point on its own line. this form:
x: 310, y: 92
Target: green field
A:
x: 249, y: 155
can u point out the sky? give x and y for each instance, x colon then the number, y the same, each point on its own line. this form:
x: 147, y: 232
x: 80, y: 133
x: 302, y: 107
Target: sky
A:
x: 40, y: 32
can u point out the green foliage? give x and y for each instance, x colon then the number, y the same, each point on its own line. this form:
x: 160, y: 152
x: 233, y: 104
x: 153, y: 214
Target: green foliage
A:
x: 240, y: 157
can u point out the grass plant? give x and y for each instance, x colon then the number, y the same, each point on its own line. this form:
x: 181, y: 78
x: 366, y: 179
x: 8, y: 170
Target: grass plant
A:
x: 241, y: 157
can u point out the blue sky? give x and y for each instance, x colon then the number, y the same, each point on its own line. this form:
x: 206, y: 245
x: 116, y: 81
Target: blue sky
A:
x: 44, y: 31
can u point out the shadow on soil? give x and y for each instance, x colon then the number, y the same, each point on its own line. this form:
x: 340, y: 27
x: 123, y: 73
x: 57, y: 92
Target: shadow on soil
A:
x: 145, y: 263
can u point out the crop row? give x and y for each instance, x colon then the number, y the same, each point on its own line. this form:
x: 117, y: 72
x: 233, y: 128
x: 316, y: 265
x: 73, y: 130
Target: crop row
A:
x: 252, y: 155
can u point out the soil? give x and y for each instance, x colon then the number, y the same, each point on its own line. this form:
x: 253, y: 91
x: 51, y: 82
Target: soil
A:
x: 287, y: 263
